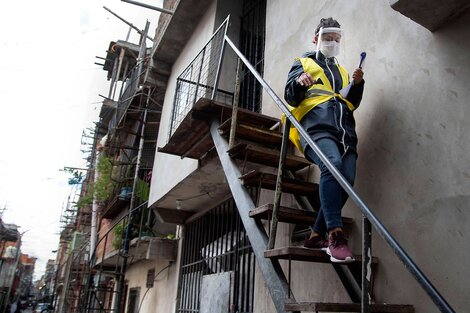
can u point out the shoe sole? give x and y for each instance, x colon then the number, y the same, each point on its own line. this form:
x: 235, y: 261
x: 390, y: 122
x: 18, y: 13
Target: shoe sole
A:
x: 335, y: 260
x: 322, y: 249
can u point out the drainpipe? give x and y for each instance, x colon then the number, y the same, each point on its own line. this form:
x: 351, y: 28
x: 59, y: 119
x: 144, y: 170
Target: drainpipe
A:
x: 94, y: 206
x: 94, y: 211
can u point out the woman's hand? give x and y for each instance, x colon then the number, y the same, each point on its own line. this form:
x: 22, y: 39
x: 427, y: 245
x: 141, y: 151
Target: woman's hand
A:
x: 305, y: 80
x: 357, y: 75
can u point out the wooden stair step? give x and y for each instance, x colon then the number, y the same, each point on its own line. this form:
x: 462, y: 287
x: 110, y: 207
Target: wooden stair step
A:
x: 254, y: 133
x: 304, y: 254
x: 289, y: 215
x: 268, y: 181
x: 348, y: 307
x: 266, y: 156
x: 209, y: 108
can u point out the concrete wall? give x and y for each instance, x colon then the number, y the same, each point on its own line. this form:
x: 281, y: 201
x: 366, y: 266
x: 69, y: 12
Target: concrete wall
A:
x: 168, y: 170
x: 413, y: 167
x: 161, y: 297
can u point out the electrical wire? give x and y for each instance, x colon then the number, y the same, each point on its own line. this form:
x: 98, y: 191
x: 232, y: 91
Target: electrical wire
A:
x: 155, y: 279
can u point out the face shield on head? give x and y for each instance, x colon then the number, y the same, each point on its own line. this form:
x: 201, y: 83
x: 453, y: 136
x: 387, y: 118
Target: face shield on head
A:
x: 329, y: 40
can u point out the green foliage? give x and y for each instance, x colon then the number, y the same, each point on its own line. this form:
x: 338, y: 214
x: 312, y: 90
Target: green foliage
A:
x: 77, y: 175
x: 119, y: 231
x: 77, y: 178
x: 84, y: 200
x: 102, y: 188
x: 120, y: 234
x: 143, y: 190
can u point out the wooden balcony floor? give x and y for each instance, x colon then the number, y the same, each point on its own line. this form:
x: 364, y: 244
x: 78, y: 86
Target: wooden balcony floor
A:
x: 192, y: 137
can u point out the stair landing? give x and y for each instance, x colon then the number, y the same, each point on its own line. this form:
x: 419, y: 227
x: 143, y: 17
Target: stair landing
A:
x: 192, y: 137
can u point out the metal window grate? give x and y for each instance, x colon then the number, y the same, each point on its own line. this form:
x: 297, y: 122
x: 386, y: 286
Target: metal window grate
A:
x: 217, y: 243
x: 133, y: 302
x: 150, y: 278
x: 253, y: 33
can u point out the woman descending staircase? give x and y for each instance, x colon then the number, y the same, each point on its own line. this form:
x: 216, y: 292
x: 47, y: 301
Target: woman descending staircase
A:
x: 250, y: 161
x: 261, y: 145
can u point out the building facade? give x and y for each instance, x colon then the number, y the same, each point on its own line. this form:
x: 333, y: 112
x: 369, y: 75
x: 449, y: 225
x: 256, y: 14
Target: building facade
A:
x: 206, y: 185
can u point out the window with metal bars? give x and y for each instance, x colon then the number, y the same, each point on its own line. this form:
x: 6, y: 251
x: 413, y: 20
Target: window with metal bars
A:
x: 133, y: 303
x: 217, y: 243
x: 253, y: 33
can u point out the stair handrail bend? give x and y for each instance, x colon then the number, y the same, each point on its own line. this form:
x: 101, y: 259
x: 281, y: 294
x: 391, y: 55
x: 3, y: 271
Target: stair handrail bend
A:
x: 432, y: 292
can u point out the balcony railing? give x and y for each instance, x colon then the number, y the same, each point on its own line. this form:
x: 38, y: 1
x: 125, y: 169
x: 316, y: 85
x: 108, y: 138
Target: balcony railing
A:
x: 130, y: 90
x: 132, y: 86
x: 122, y: 192
x: 200, y: 79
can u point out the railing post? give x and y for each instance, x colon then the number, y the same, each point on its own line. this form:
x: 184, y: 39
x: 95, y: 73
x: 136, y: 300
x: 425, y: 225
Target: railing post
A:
x: 173, y: 111
x: 199, y: 74
x: 221, y: 57
x: 278, y: 192
x: 366, y: 264
x: 236, y: 99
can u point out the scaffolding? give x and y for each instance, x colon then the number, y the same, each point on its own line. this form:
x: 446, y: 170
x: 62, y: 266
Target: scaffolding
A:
x: 120, y: 151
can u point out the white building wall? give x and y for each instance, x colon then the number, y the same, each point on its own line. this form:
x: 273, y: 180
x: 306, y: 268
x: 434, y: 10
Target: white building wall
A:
x: 413, y: 166
x: 168, y: 170
x: 162, y: 296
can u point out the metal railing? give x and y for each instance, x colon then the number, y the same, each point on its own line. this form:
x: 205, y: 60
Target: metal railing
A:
x: 217, y: 243
x: 131, y: 87
x: 76, y: 268
x: 369, y: 216
x: 94, y: 293
x: 200, y: 78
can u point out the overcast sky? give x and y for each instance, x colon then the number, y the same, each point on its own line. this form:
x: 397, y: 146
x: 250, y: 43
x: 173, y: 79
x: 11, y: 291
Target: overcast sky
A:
x: 49, y: 88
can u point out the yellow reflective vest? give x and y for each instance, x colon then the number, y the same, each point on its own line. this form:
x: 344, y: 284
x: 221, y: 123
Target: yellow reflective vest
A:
x: 316, y: 94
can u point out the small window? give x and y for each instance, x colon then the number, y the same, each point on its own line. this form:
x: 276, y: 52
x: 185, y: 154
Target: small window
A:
x: 133, y: 302
x: 150, y: 278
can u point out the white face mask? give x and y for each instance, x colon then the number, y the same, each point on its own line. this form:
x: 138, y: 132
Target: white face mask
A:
x: 329, y: 48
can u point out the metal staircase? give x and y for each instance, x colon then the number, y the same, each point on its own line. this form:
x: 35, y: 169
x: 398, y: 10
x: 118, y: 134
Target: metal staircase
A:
x: 267, y: 256
x: 252, y: 139
x: 256, y: 152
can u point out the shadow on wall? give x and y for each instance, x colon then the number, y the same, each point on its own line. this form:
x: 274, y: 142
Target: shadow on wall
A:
x: 377, y: 138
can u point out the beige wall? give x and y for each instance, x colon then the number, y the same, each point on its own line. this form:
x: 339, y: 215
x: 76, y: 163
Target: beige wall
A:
x: 413, y: 167
x: 161, y: 297
x: 168, y: 170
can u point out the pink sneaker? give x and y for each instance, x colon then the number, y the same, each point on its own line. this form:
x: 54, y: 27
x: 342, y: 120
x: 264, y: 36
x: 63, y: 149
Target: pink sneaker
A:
x: 317, y: 242
x: 338, y: 249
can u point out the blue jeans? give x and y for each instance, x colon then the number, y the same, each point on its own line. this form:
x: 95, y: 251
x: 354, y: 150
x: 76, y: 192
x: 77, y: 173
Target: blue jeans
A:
x: 332, y: 195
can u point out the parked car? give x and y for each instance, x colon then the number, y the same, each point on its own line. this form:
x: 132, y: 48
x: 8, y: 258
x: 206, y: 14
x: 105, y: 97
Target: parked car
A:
x: 23, y: 304
x: 42, y: 307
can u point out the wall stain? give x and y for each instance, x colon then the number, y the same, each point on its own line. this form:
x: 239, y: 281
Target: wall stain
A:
x: 451, y: 71
x: 453, y: 93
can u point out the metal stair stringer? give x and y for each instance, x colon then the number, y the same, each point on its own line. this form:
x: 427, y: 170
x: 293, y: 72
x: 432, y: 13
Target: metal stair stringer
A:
x: 273, y: 274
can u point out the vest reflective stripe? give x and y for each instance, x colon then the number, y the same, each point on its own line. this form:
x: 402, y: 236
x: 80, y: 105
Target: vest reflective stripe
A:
x: 316, y: 94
